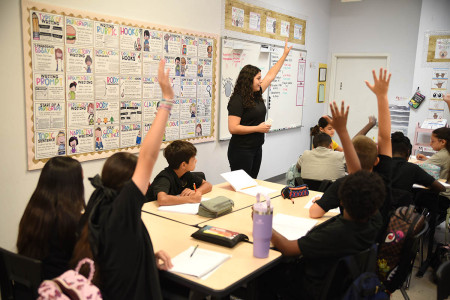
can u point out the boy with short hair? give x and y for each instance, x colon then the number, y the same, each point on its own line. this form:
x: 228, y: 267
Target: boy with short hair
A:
x: 176, y: 184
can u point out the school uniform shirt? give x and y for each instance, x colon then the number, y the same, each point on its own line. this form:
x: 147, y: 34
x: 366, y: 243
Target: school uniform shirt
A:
x: 167, y: 181
x: 441, y: 159
x: 334, y: 145
x: 322, y: 163
x: 405, y: 174
x: 252, y: 116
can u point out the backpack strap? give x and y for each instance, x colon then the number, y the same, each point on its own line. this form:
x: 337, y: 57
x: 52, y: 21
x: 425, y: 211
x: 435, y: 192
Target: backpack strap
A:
x: 91, y: 264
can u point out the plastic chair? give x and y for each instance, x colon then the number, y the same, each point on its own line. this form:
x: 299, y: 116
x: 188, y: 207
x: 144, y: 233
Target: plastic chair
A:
x: 443, y: 277
x: 314, y: 185
x: 200, y: 174
x: 20, y: 276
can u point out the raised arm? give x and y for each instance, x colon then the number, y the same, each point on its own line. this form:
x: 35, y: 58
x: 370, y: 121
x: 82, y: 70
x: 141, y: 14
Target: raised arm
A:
x: 270, y: 76
x: 380, y: 88
x: 372, y: 122
x: 339, y: 122
x: 152, y: 142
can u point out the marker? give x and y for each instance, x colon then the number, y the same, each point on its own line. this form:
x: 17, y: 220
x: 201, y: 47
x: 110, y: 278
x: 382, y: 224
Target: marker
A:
x: 195, y: 190
x: 194, y: 250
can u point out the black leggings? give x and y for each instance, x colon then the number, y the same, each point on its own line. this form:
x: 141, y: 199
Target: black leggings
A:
x: 247, y: 159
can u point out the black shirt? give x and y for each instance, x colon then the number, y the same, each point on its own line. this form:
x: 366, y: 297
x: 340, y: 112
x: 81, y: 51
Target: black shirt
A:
x: 168, y: 182
x: 249, y: 117
x: 405, y: 174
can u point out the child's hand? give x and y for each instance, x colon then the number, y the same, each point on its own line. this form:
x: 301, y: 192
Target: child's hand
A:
x: 421, y: 157
x: 381, y: 84
x: 286, y: 48
x: 373, y: 120
x: 196, y: 197
x: 263, y: 127
x: 163, y: 261
x: 187, y: 192
x: 164, y: 81
x: 339, y: 121
x: 447, y: 99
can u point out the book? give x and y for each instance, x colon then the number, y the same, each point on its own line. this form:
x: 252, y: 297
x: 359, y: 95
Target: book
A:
x: 242, y: 182
x: 198, y: 263
x: 292, y: 227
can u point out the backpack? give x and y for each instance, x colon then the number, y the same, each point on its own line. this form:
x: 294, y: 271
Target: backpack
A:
x: 291, y: 174
x: 71, y: 285
x: 366, y: 286
x: 396, y: 253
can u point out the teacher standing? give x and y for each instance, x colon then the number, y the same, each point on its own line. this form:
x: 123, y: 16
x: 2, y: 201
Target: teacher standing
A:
x: 246, y: 115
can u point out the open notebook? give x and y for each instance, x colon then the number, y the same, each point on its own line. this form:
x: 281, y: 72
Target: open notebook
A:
x: 242, y: 182
x: 200, y: 264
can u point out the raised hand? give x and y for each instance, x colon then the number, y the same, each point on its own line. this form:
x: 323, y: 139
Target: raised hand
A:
x: 164, y: 81
x: 286, y: 48
x: 381, y: 83
x: 339, y: 121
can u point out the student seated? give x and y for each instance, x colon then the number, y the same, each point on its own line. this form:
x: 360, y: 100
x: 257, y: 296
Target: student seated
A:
x: 322, y: 162
x: 361, y: 194
x: 176, y: 184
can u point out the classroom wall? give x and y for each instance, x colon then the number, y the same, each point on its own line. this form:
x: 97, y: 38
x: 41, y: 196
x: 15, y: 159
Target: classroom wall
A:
x: 279, y: 152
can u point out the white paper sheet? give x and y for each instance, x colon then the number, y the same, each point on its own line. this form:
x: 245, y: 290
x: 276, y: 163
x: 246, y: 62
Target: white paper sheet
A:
x: 292, y: 227
x: 186, y: 208
x: 310, y: 202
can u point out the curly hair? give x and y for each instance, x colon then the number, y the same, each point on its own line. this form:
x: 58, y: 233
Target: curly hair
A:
x: 401, y: 145
x: 362, y: 194
x: 244, y: 86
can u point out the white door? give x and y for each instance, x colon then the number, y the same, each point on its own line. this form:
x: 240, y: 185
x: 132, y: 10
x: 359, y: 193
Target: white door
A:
x: 347, y: 83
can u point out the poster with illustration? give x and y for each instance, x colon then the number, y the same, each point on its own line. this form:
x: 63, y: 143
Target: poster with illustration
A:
x: 48, y: 57
x: 130, y: 62
x: 298, y: 31
x: 439, y: 84
x: 205, y: 47
x: 48, y: 115
x: 153, y: 41
x: 237, y: 15
x: 106, y: 61
x: 130, y: 111
x: 151, y: 88
x: 203, y: 126
x: 271, y: 25
x: 189, y: 45
x: 175, y: 112
x: 130, y: 87
x: 130, y: 135
x: 440, y: 73
x: 106, y: 87
x: 79, y: 60
x: 254, y: 21
x: 285, y: 27
x: 146, y: 126
x: 47, y: 27
x: 442, y: 50
x: 172, y: 131
x: 130, y: 38
x: 174, y: 64
x: 48, y: 86
x: 107, y: 137
x: 187, y: 129
x: 80, y: 114
x: 188, y: 109
x: 80, y: 87
x: 149, y: 110
x: 188, y: 88
x: 49, y: 143
x: 106, y: 35
x: 435, y: 114
x: 80, y: 140
x: 191, y: 66
x: 106, y: 113
x: 203, y: 107
x: 150, y: 63
x: 204, y: 68
x: 204, y: 88
x: 171, y: 44
x: 79, y: 32
x: 176, y: 83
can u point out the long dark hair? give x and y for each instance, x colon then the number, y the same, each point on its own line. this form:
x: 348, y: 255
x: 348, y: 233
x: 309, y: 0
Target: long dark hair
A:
x: 321, y: 124
x: 244, y: 86
x: 54, y: 207
x: 443, y: 133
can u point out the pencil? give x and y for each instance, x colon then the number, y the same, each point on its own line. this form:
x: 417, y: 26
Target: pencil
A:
x: 195, y: 188
x: 194, y: 250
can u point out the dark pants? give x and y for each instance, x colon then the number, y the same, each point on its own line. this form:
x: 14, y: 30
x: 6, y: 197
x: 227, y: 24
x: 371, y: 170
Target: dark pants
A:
x: 247, y: 159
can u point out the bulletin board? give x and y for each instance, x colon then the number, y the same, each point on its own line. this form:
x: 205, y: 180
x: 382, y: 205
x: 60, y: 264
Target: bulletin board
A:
x: 283, y: 98
x: 92, y: 87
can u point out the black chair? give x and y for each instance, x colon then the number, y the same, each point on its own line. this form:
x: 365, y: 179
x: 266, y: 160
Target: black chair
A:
x: 20, y: 276
x: 443, y: 277
x: 314, y: 185
x: 200, y: 174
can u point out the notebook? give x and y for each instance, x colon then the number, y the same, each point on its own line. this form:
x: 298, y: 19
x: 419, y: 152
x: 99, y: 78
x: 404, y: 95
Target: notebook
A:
x: 242, y: 182
x: 292, y: 227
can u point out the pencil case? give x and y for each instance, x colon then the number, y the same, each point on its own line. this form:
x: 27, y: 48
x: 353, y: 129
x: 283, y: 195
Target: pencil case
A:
x: 290, y: 192
x: 215, y: 207
x: 219, y: 236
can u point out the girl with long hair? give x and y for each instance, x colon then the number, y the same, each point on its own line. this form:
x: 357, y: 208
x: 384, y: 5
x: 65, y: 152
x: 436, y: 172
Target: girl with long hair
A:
x: 440, y: 142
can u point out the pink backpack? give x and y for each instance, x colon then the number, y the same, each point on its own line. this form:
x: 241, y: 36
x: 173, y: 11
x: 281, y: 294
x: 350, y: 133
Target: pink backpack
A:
x: 71, y: 285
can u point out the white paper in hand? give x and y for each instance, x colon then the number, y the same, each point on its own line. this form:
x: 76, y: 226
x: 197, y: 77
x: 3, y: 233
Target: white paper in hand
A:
x: 269, y: 121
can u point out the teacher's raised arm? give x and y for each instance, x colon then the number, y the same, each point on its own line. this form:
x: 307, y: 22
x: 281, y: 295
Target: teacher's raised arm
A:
x: 270, y: 76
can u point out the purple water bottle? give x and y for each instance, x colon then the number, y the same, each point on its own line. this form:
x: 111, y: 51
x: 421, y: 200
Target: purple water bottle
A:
x: 262, y: 227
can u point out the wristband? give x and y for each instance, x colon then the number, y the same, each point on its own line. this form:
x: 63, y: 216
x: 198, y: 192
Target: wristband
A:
x: 164, y: 104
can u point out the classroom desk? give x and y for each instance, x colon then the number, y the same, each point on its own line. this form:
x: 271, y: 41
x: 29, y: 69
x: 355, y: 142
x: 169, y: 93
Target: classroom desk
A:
x: 242, y: 267
x: 275, y: 186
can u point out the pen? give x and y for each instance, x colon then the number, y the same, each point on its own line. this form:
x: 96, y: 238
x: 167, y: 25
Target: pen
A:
x: 195, y: 190
x: 194, y: 250
x: 292, y: 199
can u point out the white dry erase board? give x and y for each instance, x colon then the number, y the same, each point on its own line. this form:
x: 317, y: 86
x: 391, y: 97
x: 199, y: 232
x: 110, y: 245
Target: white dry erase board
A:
x: 284, y: 97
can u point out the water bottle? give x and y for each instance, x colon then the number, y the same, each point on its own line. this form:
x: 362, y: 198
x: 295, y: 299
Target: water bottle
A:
x: 262, y: 227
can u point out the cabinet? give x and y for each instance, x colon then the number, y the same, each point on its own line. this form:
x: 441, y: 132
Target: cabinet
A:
x: 422, y: 147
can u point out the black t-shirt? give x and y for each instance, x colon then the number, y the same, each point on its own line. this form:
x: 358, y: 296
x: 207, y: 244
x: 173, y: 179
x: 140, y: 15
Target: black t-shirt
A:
x: 405, y: 174
x: 168, y: 182
x: 126, y: 256
x: 249, y: 117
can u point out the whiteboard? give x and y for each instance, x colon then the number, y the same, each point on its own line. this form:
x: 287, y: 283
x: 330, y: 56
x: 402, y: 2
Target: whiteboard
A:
x: 283, y: 98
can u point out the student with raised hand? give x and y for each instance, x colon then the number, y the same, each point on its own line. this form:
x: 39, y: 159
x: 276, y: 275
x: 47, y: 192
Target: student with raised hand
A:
x: 246, y: 115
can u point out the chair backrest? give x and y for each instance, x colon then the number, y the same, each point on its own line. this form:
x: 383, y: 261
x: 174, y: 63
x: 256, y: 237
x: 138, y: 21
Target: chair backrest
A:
x: 20, y: 276
x: 200, y: 174
x: 314, y: 185
x: 443, y: 277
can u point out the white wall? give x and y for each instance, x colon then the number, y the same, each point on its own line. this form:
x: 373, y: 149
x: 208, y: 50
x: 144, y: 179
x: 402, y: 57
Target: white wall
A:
x: 280, y: 150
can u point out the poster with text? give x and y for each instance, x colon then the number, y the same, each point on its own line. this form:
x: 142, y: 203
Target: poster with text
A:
x: 187, y: 129
x: 48, y: 58
x: 106, y: 35
x: 172, y: 131
x: 48, y: 86
x: 203, y: 107
x: 205, y: 47
x: 146, y: 126
x: 254, y: 21
x: 174, y: 64
x: 49, y: 143
x: 285, y: 27
x: 130, y: 135
x: 188, y: 109
x: 80, y: 140
x: 271, y: 25
x: 130, y: 87
x: 172, y: 44
x: 189, y: 45
x: 106, y: 61
x: 204, y: 67
x: 203, y: 127
x: 149, y: 110
x: 188, y: 88
x: 153, y: 41
x: 107, y: 87
x: 175, y: 112
x: 435, y: 114
x: 150, y: 64
x: 130, y: 111
x: 237, y: 15
x: 176, y: 83
x: 442, y: 50
x: 151, y: 88
x: 130, y: 62
x: 49, y: 115
x: 80, y: 87
x: 79, y: 32
x: 47, y: 27
x: 204, y: 88
x: 298, y: 31
x: 439, y: 84
x: 80, y: 114
x: 191, y: 66
x: 106, y: 113
x: 130, y: 38
x: 79, y: 60
x: 107, y: 137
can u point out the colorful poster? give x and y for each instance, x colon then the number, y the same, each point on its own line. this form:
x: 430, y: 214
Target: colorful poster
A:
x: 48, y: 58
x: 298, y: 31
x: 188, y: 109
x: 48, y: 87
x: 130, y: 135
x: 130, y: 62
x: 49, y: 115
x: 130, y: 87
x: 172, y: 131
x: 79, y: 31
x: 204, y: 68
x: 106, y: 87
x: 130, y: 38
x: 175, y: 112
x: 188, y: 88
x: 442, y: 50
x: 149, y: 110
x: 204, y: 88
x: 153, y: 41
x: 271, y: 25
x: 189, y: 45
x: 107, y: 137
x: 80, y: 87
x: 187, y: 129
x: 79, y: 60
x: 150, y: 63
x: 237, y: 15
x: 203, y: 107
x: 203, y: 127
x: 49, y: 143
x: 106, y: 61
x: 106, y: 35
x: 439, y: 84
x: 285, y: 27
x: 190, y: 66
x: 172, y: 44
x: 106, y: 113
x: 176, y: 82
x: 47, y: 27
x: 146, y: 126
x: 151, y: 88
x: 80, y: 140
x: 174, y: 64
x: 130, y: 111
x: 80, y: 114
x: 255, y: 21
x: 435, y: 114
x: 205, y: 47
